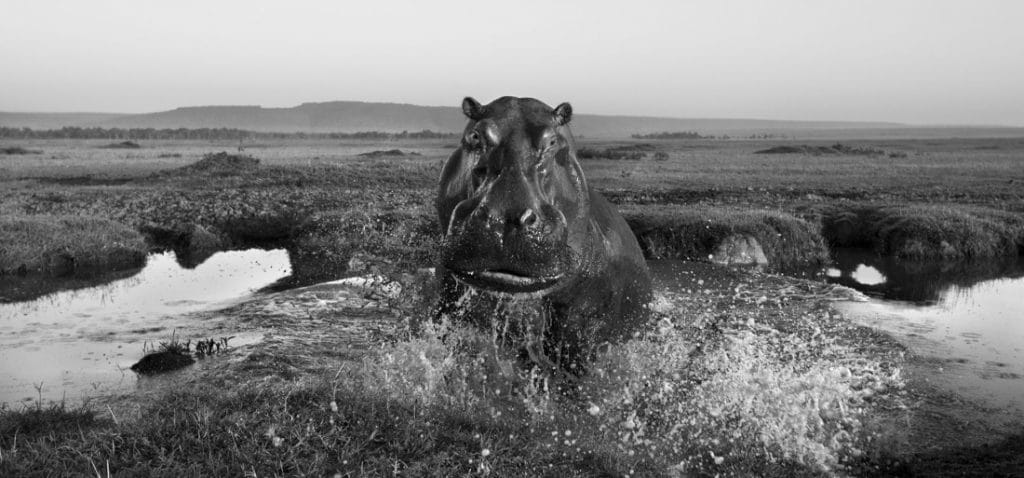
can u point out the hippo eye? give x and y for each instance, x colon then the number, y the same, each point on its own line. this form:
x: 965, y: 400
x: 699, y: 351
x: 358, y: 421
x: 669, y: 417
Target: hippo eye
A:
x: 472, y: 140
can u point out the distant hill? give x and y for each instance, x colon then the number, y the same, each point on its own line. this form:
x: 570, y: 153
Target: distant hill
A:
x: 335, y: 116
x: 53, y: 120
x: 355, y: 116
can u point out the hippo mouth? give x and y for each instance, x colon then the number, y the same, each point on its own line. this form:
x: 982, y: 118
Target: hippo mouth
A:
x: 508, y: 282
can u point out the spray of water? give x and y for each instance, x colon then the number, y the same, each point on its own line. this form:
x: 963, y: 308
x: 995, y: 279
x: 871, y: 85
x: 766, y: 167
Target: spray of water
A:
x: 673, y: 397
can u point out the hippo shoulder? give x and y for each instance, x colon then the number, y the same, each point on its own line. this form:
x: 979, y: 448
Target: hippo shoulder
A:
x: 617, y: 236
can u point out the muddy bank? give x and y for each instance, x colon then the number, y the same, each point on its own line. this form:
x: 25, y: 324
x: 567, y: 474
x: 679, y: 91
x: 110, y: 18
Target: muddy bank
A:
x: 740, y: 236
x: 326, y: 214
x: 60, y: 245
x: 926, y: 231
x: 55, y: 252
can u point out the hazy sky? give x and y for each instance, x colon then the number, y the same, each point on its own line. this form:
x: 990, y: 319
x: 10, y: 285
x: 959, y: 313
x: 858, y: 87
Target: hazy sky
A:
x: 927, y: 61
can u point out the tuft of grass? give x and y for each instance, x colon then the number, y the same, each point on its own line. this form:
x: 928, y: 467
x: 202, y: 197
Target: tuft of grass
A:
x: 926, y: 231
x: 60, y: 245
x: 174, y: 354
x: 38, y: 420
x: 692, y: 233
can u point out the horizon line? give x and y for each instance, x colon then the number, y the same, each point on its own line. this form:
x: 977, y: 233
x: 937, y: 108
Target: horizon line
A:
x: 880, y: 122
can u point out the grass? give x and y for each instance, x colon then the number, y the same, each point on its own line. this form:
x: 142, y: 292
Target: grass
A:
x: 693, y: 233
x: 943, y: 171
x: 60, y: 245
x: 737, y: 381
x: 39, y: 421
x: 927, y: 231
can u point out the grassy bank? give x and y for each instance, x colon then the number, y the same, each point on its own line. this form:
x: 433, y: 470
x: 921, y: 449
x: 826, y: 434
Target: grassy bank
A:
x: 694, y: 233
x: 926, y: 231
x: 60, y: 245
x: 323, y: 212
x: 403, y: 240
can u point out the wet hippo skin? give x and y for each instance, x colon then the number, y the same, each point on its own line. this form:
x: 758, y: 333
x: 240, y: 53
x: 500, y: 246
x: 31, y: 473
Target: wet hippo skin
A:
x: 522, y: 225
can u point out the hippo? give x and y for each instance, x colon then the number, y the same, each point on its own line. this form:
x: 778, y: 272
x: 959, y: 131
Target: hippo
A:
x: 521, y: 224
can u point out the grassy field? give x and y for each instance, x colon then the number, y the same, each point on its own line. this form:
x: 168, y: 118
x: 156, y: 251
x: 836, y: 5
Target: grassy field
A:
x: 149, y: 188
x: 424, y: 406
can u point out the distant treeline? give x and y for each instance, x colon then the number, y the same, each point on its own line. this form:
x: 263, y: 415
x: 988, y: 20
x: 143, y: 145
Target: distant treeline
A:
x: 673, y: 135
x: 74, y: 132
x: 696, y: 135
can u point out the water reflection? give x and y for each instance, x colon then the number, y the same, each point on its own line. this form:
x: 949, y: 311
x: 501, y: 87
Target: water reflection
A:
x: 79, y: 341
x: 925, y: 282
x: 968, y: 315
x: 15, y: 288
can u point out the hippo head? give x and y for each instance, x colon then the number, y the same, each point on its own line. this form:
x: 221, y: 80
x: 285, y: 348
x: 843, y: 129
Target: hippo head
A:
x: 513, y: 200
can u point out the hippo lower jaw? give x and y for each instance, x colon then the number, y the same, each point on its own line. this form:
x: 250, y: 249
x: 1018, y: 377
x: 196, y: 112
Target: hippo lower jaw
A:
x: 509, y: 284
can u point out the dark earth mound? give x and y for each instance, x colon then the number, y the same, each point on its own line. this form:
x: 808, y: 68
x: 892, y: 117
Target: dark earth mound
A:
x: 388, y: 153
x: 222, y: 161
x: 163, y: 361
x: 19, y: 150
x: 627, y: 151
x: 122, y: 145
x: 835, y: 149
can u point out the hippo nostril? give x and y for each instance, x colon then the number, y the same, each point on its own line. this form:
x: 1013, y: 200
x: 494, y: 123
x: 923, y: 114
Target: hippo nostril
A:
x: 528, y: 218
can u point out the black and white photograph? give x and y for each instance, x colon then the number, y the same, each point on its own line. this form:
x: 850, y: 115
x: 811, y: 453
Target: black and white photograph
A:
x: 659, y: 238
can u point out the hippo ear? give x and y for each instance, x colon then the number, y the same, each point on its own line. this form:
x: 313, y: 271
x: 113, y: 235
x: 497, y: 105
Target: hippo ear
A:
x: 472, y: 109
x: 563, y: 114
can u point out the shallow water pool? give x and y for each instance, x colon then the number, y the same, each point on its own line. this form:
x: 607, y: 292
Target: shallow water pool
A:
x: 79, y: 343
x: 967, y: 317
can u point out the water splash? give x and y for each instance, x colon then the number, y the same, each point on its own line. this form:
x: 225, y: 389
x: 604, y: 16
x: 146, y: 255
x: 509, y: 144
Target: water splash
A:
x: 669, y: 396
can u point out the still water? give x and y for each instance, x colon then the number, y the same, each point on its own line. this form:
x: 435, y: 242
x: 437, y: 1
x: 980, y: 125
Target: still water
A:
x: 78, y: 343
x: 967, y: 317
